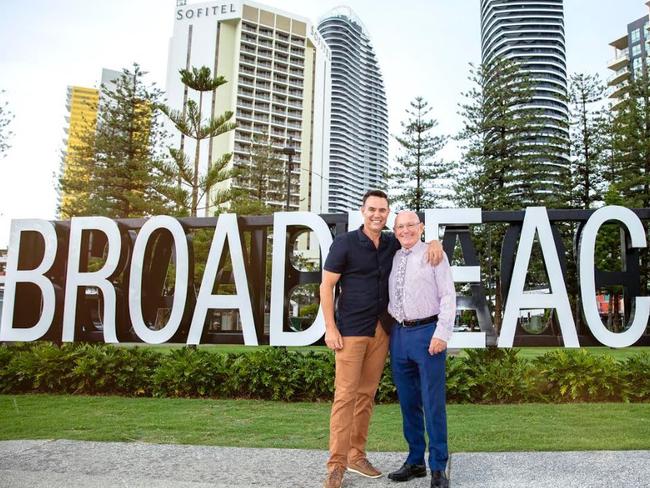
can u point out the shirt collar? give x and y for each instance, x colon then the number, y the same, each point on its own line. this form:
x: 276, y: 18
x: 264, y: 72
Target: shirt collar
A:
x: 415, y: 247
x: 365, y: 240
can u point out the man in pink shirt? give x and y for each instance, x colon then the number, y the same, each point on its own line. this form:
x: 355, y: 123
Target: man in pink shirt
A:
x: 422, y: 300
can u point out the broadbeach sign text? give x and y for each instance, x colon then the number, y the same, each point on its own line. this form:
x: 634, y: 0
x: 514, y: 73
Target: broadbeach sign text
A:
x: 48, y: 265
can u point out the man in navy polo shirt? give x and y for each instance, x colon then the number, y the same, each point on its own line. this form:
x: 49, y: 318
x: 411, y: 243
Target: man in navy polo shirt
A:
x: 360, y: 261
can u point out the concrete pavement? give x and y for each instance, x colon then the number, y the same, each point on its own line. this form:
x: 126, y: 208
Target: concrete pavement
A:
x: 70, y: 464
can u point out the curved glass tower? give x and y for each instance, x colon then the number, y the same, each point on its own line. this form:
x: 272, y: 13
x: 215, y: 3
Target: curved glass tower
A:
x: 532, y: 33
x: 359, y: 114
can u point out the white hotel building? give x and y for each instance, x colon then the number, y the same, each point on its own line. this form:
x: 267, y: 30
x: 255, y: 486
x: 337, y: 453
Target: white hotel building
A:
x: 278, y: 72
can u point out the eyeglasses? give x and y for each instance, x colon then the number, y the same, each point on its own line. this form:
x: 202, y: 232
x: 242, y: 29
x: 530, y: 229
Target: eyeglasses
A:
x: 409, y: 226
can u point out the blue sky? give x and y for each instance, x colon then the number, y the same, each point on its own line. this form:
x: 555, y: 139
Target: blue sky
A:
x: 423, y: 47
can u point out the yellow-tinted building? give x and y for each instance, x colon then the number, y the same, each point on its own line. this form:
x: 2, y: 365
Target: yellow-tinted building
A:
x: 82, y: 104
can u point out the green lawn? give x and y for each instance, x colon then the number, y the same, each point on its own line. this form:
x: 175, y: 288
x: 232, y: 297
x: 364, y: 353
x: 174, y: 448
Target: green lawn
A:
x: 252, y: 423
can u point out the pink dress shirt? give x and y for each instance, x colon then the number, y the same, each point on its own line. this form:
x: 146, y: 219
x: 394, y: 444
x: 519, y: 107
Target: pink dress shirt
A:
x: 427, y: 290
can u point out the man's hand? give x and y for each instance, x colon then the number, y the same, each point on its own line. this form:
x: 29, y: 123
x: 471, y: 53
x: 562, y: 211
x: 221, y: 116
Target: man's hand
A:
x: 333, y: 338
x: 434, y: 252
x: 436, y: 346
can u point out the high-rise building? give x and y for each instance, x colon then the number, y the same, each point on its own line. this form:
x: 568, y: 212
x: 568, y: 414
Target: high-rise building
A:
x: 3, y: 267
x: 531, y: 33
x: 359, y: 123
x: 82, y: 104
x: 631, y: 52
x: 277, y: 68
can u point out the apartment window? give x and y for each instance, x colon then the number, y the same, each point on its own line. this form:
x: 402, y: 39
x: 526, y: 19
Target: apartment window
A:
x: 635, y: 35
x: 636, y: 50
x: 638, y: 65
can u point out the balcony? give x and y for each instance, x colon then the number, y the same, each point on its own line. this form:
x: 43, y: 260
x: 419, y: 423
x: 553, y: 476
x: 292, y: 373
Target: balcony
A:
x: 245, y: 93
x: 619, y: 90
x: 616, y: 103
x: 618, y: 77
x: 281, y: 48
x: 244, y: 115
x: 246, y: 27
x: 621, y: 59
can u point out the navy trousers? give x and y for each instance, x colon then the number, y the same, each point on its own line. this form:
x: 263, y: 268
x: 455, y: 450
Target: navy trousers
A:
x: 420, y: 381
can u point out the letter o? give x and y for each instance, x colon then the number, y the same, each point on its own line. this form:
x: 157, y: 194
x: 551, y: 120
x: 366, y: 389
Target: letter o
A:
x: 180, y: 285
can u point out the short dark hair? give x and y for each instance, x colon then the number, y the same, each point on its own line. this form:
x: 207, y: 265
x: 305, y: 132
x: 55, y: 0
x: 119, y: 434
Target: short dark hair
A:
x: 374, y: 193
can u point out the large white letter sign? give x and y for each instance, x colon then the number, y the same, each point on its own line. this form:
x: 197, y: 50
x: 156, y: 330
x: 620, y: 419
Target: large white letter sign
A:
x: 433, y: 219
x: 180, y: 285
x: 75, y: 278
x: 586, y: 268
x: 35, y: 276
x: 278, y: 337
x: 536, y: 220
x: 226, y: 228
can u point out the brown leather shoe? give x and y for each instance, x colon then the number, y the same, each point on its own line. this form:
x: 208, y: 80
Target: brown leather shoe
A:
x: 364, y: 468
x: 334, y: 478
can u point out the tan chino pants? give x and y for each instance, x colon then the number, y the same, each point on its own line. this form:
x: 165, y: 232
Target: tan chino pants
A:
x: 359, y: 366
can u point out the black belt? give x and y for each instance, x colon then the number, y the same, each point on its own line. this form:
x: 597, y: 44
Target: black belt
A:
x: 413, y: 323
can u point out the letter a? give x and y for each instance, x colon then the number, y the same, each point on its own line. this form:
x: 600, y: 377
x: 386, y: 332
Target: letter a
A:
x: 226, y: 228
x: 536, y: 220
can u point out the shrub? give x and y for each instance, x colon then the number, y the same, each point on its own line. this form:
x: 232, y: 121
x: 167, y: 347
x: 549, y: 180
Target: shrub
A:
x: 278, y: 374
x: 461, y: 382
x: 636, y: 375
x: 480, y: 376
x: 387, y: 391
x: 497, y: 375
x: 5, y: 356
x: 42, y: 367
x: 189, y: 372
x: 108, y: 369
x: 577, y: 375
x: 315, y: 374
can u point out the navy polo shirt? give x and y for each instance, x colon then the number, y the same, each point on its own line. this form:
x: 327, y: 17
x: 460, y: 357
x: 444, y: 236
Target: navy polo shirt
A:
x: 364, y: 271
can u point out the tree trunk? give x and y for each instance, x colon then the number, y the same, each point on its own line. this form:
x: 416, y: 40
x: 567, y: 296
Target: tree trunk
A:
x: 197, y: 153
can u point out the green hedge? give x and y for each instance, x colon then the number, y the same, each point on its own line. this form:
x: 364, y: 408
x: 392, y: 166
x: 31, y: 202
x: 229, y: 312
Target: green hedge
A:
x: 479, y: 376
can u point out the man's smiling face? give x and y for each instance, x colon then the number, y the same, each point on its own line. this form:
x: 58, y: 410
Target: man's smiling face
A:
x: 375, y: 213
x: 408, y: 229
